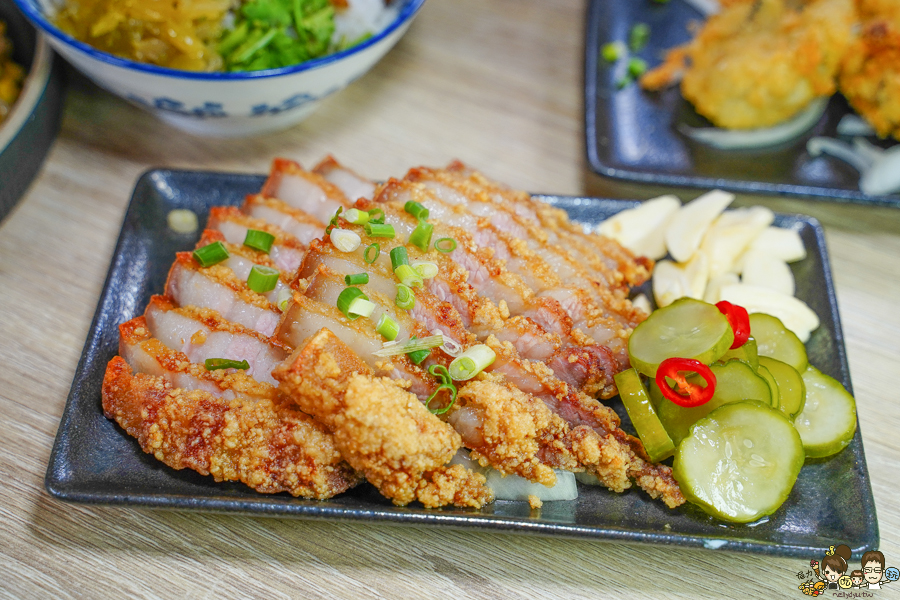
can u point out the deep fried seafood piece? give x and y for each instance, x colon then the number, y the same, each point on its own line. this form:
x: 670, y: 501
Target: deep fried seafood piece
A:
x: 760, y: 62
x: 380, y: 428
x: 264, y: 444
x: 870, y: 73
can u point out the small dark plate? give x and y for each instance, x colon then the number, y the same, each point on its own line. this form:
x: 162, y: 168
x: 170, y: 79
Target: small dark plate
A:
x: 95, y: 461
x: 31, y: 126
x: 632, y: 134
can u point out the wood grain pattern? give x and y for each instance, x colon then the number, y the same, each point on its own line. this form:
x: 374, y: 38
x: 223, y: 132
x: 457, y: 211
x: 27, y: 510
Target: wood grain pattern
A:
x: 494, y: 83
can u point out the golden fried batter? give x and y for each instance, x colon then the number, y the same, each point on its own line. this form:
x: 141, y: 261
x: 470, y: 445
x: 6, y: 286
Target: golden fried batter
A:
x: 265, y: 444
x: 760, y: 62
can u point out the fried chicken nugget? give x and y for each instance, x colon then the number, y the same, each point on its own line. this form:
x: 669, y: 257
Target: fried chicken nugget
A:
x: 760, y: 62
x: 382, y: 430
x: 870, y: 72
x: 264, y: 444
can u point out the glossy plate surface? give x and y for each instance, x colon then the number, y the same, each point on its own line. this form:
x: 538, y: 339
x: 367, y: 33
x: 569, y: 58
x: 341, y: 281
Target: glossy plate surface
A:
x: 95, y: 461
x: 632, y: 135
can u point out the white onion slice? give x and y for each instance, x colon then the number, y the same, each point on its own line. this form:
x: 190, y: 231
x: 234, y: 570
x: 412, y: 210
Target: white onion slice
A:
x: 879, y: 169
x: 818, y: 146
x: 851, y: 125
x: 884, y: 176
x: 735, y: 139
x: 513, y: 487
x: 706, y: 7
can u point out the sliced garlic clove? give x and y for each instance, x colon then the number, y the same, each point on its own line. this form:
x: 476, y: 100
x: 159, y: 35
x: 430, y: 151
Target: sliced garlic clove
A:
x: 731, y: 234
x: 786, y: 244
x: 689, y: 225
x: 672, y: 281
x: 713, y: 291
x: 793, y: 312
x: 641, y: 229
x: 642, y: 302
x: 768, y: 271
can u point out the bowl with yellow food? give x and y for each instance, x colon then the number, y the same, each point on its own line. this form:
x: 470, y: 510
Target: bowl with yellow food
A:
x: 223, y: 68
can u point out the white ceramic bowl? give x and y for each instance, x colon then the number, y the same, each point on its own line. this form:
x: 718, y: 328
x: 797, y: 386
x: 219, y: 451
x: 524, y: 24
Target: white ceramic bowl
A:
x: 224, y: 104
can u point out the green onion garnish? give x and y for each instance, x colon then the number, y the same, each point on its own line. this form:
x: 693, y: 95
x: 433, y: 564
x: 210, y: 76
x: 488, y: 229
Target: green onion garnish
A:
x: 334, y: 220
x: 421, y: 236
x: 638, y: 36
x: 613, y: 51
x: 385, y: 230
x: 416, y: 209
x: 418, y: 356
x: 440, y: 371
x: 408, y: 276
x: 356, y: 216
x: 636, y: 67
x: 262, y: 279
x: 405, y: 298
x: 357, y: 279
x: 376, y: 215
x: 411, y: 345
x: 471, y: 362
x: 426, y: 270
x: 259, y: 240
x: 213, y: 364
x: 399, y: 256
x: 445, y: 245
x: 284, y: 297
x: 387, y: 327
x: 346, y: 300
x: 211, y: 254
x: 345, y: 240
x: 371, y: 253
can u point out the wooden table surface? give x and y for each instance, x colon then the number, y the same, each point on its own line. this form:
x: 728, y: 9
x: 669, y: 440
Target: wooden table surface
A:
x: 496, y: 83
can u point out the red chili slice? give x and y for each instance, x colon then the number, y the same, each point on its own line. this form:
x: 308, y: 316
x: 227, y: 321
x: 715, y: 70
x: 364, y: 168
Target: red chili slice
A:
x: 738, y: 319
x: 685, y: 394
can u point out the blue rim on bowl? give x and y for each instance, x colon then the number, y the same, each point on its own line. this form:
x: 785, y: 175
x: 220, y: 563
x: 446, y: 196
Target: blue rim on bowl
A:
x: 35, y: 14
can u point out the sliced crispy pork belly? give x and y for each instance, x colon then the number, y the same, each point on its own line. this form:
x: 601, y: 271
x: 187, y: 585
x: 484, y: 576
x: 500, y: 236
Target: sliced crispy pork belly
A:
x: 287, y: 251
x: 296, y: 222
x: 202, y: 333
x: 302, y: 189
x: 353, y: 185
x: 382, y: 430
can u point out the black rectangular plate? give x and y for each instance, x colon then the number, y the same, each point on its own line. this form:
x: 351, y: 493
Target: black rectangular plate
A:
x: 94, y: 461
x: 631, y: 134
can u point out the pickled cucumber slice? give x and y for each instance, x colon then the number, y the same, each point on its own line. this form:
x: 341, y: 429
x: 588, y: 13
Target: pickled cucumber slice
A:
x: 735, y: 381
x: 740, y: 462
x: 637, y: 403
x: 763, y: 372
x: 775, y: 340
x: 747, y: 353
x: 687, y: 328
x: 828, y: 419
x: 791, y: 388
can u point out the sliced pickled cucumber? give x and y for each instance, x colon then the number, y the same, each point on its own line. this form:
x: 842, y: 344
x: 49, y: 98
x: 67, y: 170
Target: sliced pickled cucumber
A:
x: 763, y: 372
x: 792, y: 390
x: 747, y: 353
x: 687, y: 328
x: 735, y: 381
x: 740, y: 462
x: 637, y: 403
x: 828, y: 419
x: 775, y: 340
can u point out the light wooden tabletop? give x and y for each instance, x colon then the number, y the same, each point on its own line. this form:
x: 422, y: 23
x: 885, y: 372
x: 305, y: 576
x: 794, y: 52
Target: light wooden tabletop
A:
x: 496, y: 83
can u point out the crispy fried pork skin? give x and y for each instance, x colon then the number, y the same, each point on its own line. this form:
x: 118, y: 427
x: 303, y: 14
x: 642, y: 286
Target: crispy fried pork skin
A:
x: 287, y: 250
x: 379, y: 428
x: 265, y: 444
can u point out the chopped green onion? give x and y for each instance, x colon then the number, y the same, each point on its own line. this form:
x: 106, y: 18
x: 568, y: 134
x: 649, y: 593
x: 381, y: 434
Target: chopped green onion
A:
x: 387, y: 327
x: 411, y: 345
x: 211, y: 254
x: 345, y: 240
x: 405, y: 298
x: 445, y: 245
x: 284, y: 297
x: 357, y: 279
x: 418, y: 356
x: 356, y: 216
x: 421, y: 236
x: 471, y: 362
x: 385, y: 230
x: 262, y: 279
x: 334, y: 220
x: 213, y: 364
x: 182, y: 220
x: 361, y: 307
x: 441, y: 372
x: 376, y: 215
x: 451, y: 389
x: 613, y: 51
x: 450, y: 347
x: 369, y: 256
x: 416, y: 209
x: 624, y: 81
x: 347, y: 298
x: 638, y: 36
x: 399, y: 256
x: 259, y: 240
x: 408, y: 276
x: 425, y: 269
x: 637, y: 67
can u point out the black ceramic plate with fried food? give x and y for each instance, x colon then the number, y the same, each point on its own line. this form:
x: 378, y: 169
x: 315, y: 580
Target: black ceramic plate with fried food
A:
x: 633, y: 135
x: 94, y: 461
